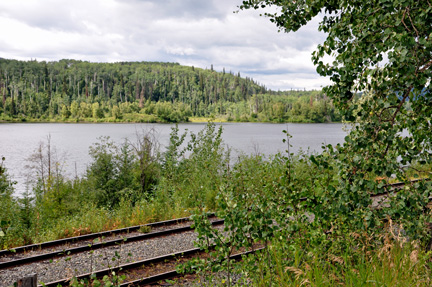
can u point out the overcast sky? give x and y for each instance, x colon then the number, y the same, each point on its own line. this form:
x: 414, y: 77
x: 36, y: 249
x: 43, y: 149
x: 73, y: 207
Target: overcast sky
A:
x: 190, y: 32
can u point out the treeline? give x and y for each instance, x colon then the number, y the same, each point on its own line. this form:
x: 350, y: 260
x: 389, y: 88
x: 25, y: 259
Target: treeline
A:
x: 70, y: 90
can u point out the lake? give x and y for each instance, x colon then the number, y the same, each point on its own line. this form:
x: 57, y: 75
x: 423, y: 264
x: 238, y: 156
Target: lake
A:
x: 19, y: 140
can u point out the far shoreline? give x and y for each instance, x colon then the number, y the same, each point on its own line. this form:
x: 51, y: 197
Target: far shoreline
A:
x: 128, y: 121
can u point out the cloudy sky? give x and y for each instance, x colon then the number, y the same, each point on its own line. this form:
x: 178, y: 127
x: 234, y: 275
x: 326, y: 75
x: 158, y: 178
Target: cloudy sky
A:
x: 191, y: 32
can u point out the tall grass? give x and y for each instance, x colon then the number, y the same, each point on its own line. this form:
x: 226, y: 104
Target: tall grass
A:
x: 392, y: 264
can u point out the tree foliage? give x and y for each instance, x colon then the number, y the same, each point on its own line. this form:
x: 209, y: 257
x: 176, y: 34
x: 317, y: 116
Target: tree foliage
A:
x: 6, y: 199
x: 70, y: 90
x: 381, y: 54
x: 360, y: 36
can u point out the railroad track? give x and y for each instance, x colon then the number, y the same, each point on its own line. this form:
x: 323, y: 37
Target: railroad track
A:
x: 71, y: 257
x: 394, y: 187
x: 381, y: 199
x: 88, y: 238
x: 388, y: 189
x: 51, y: 251
x: 124, y: 251
x: 144, y: 272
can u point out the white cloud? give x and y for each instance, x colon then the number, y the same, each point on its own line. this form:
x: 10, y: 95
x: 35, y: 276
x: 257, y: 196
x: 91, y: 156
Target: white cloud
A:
x: 287, y: 81
x: 190, y: 32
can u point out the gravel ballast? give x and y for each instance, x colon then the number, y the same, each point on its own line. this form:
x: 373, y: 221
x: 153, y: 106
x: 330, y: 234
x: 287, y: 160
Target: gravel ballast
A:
x: 69, y: 266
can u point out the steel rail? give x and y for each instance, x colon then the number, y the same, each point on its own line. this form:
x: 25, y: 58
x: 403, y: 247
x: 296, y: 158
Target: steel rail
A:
x: 139, y: 264
x: 174, y: 274
x: 90, y: 236
x: 95, y: 246
x: 129, y: 266
x: 42, y: 245
x: 392, y: 186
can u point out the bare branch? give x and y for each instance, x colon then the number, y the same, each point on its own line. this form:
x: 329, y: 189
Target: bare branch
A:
x: 387, y: 108
x: 426, y: 66
x: 403, y: 22
x: 412, y: 24
x: 407, y: 92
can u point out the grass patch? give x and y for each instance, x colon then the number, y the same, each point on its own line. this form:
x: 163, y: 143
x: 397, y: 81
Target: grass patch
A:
x: 207, y: 119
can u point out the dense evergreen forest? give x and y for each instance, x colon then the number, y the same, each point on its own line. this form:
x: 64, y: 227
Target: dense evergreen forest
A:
x: 74, y: 91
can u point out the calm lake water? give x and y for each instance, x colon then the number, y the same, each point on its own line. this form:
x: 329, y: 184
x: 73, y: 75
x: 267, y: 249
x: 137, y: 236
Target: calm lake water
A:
x: 19, y: 141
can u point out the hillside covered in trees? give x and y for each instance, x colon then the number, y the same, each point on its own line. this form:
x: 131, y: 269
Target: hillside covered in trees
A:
x: 71, y: 90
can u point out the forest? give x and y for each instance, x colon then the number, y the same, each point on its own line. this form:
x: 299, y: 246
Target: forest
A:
x: 79, y: 91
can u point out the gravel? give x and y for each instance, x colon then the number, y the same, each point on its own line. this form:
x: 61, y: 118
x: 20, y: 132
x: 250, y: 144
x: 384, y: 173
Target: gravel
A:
x: 69, y: 266
x: 217, y: 279
x: 62, y: 247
